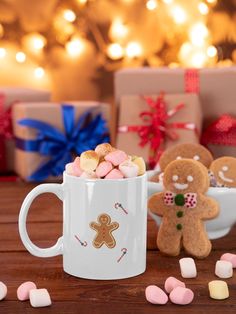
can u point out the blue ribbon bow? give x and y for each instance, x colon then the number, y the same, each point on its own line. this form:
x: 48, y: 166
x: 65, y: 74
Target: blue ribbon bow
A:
x: 86, y: 134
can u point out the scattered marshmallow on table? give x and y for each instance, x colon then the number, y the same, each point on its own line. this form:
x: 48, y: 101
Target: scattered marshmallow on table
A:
x: 3, y: 290
x: 129, y: 169
x: 103, y: 168
x: 116, y: 157
x: 89, y: 160
x: 218, y: 289
x: 114, y: 174
x: 24, y: 289
x: 188, y: 267
x: 39, y: 298
x: 230, y: 258
x: 172, y: 282
x: 224, y: 269
x: 181, y: 296
x: 156, y: 295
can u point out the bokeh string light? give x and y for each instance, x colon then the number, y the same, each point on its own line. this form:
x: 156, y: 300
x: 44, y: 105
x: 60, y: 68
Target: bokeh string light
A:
x: 119, y: 38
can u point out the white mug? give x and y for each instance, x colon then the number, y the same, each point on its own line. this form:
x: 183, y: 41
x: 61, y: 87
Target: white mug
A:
x: 104, y: 226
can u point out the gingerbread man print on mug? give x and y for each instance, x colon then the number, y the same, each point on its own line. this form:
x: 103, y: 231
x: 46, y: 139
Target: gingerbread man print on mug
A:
x: 183, y: 206
x: 104, y: 229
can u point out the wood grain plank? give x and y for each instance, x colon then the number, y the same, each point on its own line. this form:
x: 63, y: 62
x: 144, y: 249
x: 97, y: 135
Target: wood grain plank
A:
x: 102, y: 296
x: 44, y: 234
x: 50, y: 270
x: 75, y: 295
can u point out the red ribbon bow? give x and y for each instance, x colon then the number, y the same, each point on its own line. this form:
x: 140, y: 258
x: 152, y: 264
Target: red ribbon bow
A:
x: 5, y: 130
x: 221, y: 132
x: 156, y: 127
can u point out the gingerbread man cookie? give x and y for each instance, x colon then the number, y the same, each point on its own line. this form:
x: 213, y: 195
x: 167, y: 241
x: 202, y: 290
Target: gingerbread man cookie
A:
x: 224, y: 171
x: 186, y: 150
x: 104, y: 229
x: 183, y: 206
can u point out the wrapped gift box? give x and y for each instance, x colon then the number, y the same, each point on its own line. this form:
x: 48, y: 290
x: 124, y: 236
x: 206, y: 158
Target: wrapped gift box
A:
x: 8, y: 97
x: 19, y: 94
x: 28, y: 160
x: 130, y: 108
x: 215, y: 86
x: 220, y: 136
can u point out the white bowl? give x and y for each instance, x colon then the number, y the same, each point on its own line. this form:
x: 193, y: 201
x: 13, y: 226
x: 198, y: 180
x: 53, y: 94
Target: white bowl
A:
x: 217, y: 227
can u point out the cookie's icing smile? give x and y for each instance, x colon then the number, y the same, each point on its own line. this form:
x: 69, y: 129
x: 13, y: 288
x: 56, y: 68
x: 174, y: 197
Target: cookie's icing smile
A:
x: 224, y: 178
x: 180, y: 186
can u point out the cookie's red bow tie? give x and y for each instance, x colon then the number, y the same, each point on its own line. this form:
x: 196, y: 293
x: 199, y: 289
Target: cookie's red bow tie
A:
x: 188, y: 200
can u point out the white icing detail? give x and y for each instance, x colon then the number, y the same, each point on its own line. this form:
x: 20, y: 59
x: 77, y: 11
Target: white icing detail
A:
x: 222, y: 176
x: 175, y: 178
x: 189, y: 178
x: 196, y: 157
x: 180, y: 186
x: 178, y: 157
x: 225, y: 168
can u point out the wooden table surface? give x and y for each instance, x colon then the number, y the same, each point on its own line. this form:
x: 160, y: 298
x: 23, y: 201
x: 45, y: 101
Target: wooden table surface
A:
x: 75, y: 295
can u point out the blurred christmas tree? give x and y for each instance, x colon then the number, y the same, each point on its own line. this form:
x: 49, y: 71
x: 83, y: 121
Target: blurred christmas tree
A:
x: 77, y: 41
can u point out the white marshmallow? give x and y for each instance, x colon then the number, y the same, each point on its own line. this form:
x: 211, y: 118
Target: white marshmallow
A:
x: 139, y: 161
x: 39, y: 298
x: 88, y: 175
x: 69, y: 168
x: 3, y: 290
x: 129, y: 169
x: 224, y: 269
x: 188, y: 267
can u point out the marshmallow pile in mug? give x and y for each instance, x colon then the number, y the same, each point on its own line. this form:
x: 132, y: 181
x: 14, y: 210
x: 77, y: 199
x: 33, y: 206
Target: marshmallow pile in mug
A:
x: 222, y: 171
x: 106, y: 162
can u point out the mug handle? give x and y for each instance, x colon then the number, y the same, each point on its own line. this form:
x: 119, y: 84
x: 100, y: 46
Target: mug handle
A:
x: 56, y: 249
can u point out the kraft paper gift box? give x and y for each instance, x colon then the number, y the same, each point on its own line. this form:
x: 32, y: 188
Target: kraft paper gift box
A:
x: 28, y: 161
x: 129, y: 117
x: 8, y: 97
x: 220, y: 136
x: 215, y: 86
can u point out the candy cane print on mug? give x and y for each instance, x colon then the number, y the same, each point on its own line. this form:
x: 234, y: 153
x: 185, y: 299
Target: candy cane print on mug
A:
x: 100, y: 240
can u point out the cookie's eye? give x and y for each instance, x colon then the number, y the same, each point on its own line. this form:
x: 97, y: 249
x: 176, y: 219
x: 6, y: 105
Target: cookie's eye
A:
x: 196, y: 157
x: 178, y: 157
x: 175, y: 177
x: 225, y: 168
x: 189, y: 178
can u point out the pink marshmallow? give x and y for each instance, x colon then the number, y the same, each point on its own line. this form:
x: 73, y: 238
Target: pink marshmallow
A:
x: 116, y: 157
x: 24, y: 289
x: 229, y: 257
x: 181, y: 296
x: 103, y: 168
x: 76, y: 167
x: 114, y: 174
x: 172, y: 282
x: 156, y: 295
